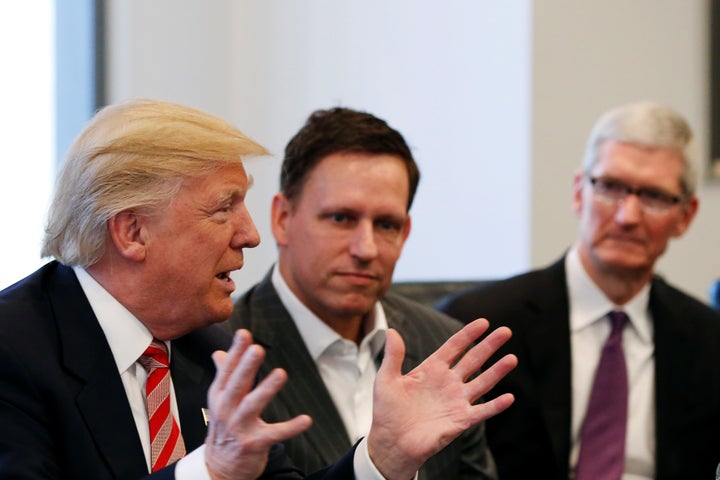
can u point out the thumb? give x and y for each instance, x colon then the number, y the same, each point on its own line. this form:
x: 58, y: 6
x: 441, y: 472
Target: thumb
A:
x: 218, y: 358
x: 394, y: 354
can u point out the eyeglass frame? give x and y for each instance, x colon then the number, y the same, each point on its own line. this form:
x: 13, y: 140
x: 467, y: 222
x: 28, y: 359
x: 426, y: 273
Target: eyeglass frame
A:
x: 601, y: 185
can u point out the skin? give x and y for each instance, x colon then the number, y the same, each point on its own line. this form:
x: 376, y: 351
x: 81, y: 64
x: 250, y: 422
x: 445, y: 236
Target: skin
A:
x: 340, y: 240
x: 174, y: 282
x: 620, y: 244
x: 169, y: 266
x: 414, y: 415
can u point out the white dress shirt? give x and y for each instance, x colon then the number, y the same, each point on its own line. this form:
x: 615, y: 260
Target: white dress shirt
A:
x: 348, y: 370
x: 589, y: 329
x: 128, y: 338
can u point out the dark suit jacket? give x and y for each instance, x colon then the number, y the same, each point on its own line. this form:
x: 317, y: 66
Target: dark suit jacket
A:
x: 533, y: 436
x: 63, y: 409
x: 423, y: 330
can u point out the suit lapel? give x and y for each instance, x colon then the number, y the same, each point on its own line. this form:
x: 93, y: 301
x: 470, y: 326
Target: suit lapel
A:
x: 101, y: 398
x: 676, y: 402
x: 192, y: 372
x: 411, y: 338
x: 305, y: 391
x: 547, y: 347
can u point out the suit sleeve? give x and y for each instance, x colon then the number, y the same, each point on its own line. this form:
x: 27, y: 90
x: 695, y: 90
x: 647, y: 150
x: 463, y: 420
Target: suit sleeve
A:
x: 26, y: 447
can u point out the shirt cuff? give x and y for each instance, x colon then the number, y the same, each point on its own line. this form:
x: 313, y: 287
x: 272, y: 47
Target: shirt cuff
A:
x: 364, y: 467
x: 192, y: 466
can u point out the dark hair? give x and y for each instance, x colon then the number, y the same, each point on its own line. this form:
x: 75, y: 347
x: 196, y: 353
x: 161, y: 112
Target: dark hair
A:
x: 339, y: 130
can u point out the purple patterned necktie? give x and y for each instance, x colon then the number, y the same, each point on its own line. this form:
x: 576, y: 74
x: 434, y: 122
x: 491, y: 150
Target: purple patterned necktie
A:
x: 602, y: 439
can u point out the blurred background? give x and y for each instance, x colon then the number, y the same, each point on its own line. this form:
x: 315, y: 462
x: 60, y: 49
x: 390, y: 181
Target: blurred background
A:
x: 496, y: 99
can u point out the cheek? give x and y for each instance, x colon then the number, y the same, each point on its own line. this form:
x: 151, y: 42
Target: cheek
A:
x: 661, y: 234
x: 389, y: 255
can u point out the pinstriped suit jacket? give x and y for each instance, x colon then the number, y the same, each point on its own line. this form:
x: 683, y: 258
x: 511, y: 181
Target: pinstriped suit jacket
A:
x: 423, y: 330
x: 64, y: 413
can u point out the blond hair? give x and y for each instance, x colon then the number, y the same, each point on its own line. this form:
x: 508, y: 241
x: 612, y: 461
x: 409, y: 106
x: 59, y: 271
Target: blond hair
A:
x: 133, y: 155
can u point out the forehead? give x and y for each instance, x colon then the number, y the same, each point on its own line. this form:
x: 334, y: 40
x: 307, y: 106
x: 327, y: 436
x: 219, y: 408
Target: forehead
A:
x: 635, y: 164
x: 364, y: 174
x: 357, y: 181
x: 228, y: 179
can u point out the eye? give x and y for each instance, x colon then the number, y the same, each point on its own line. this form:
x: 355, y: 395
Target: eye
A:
x: 388, y: 225
x: 654, y: 195
x: 338, y: 217
x: 612, y: 186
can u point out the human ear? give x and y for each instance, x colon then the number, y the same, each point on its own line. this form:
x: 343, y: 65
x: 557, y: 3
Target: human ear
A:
x: 281, y: 210
x: 689, y: 210
x: 127, y: 234
x: 577, y: 191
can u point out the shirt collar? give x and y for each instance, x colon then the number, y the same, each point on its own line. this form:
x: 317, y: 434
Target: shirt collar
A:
x: 588, y: 303
x: 316, y: 334
x: 127, y: 336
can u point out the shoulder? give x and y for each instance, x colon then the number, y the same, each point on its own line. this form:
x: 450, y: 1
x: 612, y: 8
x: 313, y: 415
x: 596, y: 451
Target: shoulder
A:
x: 667, y: 300
x: 486, y: 298
x: 28, y: 308
x: 406, y: 315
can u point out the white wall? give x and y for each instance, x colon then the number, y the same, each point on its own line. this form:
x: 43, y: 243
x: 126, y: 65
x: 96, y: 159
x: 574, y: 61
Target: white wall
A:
x: 589, y: 56
x: 495, y: 98
x: 452, y: 76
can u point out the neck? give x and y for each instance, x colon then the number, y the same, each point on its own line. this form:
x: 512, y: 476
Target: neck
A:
x: 116, y: 276
x: 353, y: 329
x: 619, y: 285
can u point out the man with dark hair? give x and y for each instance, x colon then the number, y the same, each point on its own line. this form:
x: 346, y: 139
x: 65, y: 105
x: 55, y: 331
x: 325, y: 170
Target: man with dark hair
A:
x: 322, y: 313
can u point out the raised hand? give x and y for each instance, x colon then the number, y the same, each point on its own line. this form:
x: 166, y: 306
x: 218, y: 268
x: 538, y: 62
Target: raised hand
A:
x: 418, y: 414
x: 238, y: 440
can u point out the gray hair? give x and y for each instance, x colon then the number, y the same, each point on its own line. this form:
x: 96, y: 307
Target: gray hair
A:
x: 133, y: 155
x: 646, y: 124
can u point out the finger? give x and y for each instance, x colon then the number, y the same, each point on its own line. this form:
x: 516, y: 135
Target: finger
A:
x: 281, y: 431
x: 225, y: 363
x: 485, y: 410
x: 488, y: 379
x: 241, y: 341
x: 242, y: 378
x: 256, y: 400
x: 475, y: 358
x: 461, y: 341
x: 394, y: 354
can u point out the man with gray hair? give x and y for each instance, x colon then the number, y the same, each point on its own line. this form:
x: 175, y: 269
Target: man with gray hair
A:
x: 619, y: 372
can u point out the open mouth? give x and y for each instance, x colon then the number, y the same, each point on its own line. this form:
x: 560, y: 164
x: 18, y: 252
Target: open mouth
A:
x: 225, y: 276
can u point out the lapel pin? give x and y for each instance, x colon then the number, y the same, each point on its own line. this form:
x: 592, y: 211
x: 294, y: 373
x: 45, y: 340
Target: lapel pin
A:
x: 206, y: 415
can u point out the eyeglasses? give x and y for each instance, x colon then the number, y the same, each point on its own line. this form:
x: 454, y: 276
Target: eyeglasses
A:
x: 652, y: 200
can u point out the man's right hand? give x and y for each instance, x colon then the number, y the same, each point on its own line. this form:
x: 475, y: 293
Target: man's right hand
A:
x: 238, y: 440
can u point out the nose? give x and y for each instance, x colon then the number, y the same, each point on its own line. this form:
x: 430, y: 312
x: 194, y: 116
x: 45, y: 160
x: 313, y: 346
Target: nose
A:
x: 362, y: 244
x: 629, y: 210
x: 245, y: 233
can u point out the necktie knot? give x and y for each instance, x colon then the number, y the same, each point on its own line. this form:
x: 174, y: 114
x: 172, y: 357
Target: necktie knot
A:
x: 155, y: 356
x: 618, y: 319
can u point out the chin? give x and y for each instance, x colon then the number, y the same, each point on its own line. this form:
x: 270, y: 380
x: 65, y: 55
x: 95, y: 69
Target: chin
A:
x: 220, y: 311
x: 623, y: 262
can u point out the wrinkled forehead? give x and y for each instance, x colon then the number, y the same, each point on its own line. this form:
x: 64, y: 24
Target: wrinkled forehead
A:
x: 659, y: 166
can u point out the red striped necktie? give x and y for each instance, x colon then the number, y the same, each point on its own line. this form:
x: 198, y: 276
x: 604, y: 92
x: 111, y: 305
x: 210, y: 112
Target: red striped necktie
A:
x: 166, y: 442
